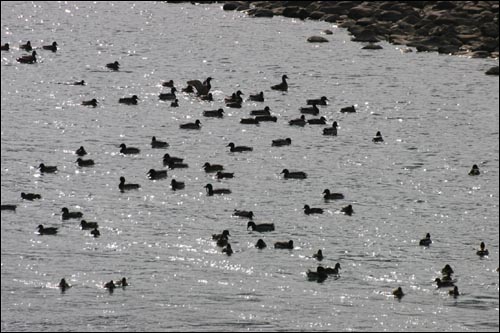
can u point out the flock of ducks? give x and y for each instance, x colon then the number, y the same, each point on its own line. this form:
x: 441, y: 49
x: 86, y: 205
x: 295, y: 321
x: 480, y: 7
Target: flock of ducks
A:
x: 234, y: 101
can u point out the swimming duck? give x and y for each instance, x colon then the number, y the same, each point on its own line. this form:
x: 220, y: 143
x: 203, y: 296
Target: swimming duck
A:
x: 260, y: 244
x: 5, y: 47
x: 281, y: 142
x: 47, y: 231
x: 176, y: 165
x: 26, y: 46
x: 265, y: 112
x: 47, y: 169
x: 169, y: 84
x: 284, y: 245
x: 81, y: 151
x: 123, y: 187
x: 224, y: 234
x: 251, y: 121
x: 30, y: 196
x: 201, y: 88
x: 426, y: 241
x: 332, y: 196
x: 208, y: 97
x: 348, y: 109
x: 443, y: 283
x: 283, y: 86
x: 378, y: 137
x: 212, y: 167
x: 84, y: 163
x: 158, y: 144
x: 238, y: 148
x: 168, y: 96
x: 66, y: 214
x: 63, y: 285
x: 227, y: 250
x: 294, y: 175
x: 320, y: 101
x: 157, y: 174
x: 347, y: 210
x: 188, y: 89
x: 8, y: 207
x: 128, y: 150
x: 88, y: 225
x: 398, y: 293
x: 454, y: 292
x: 52, y: 47
x: 28, y: 59
x: 308, y: 210
x: 214, y: 113
x: 298, y: 122
x: 310, y: 110
x: 110, y: 285
x: 195, y: 125
x: 78, y: 83
x: 234, y: 105
x: 320, y: 274
x: 121, y: 283
x: 334, y: 270
x: 211, y: 191
x: 266, y: 118
x: 243, y: 213
x: 318, y: 255
x: 234, y: 98
x: 257, y: 97
x: 167, y: 159
x: 263, y: 227
x: 222, y: 175
x: 331, y: 130
x: 113, y: 65
x: 320, y: 121
x: 129, y: 100
x: 474, y: 171
x: 96, y: 233
x: 482, y: 252
x: 92, y: 102
x: 177, y: 185
x: 447, y: 270
x: 175, y: 103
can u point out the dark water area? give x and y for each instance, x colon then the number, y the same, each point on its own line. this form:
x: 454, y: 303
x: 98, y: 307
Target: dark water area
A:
x: 438, y: 115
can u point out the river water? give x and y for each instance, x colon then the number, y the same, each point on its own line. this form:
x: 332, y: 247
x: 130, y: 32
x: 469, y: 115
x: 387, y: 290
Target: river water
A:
x: 438, y: 115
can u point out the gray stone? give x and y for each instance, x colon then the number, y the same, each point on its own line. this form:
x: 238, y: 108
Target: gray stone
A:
x: 317, y: 39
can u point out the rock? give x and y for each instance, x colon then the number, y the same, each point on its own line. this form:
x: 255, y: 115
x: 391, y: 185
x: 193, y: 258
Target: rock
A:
x: 230, y: 6
x: 365, y: 36
x: 316, y: 15
x: 448, y: 49
x: 492, y: 71
x: 317, y: 39
x: 327, y: 32
x: 260, y: 12
x: 331, y: 18
x: 372, y: 47
x: 359, y: 12
x: 390, y: 15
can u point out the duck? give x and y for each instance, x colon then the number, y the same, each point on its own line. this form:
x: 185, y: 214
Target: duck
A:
x: 211, y: 191
x: 8, y: 207
x: 212, y: 167
x: 243, y: 213
x: 238, y: 149
x: 348, y: 109
x: 188, y: 89
x: 167, y: 159
x: 260, y: 244
x: 224, y: 234
x: 157, y: 174
x: 332, y: 196
x: 168, y: 96
x: 441, y: 283
x: 334, y: 270
x: 30, y: 196
x: 447, y: 270
x: 66, y: 214
x: 222, y: 175
x: 318, y: 255
x: 284, y: 245
x: 298, y: 121
x: 129, y: 100
x: 426, y: 241
x: 201, y: 88
x: 47, y: 231
x: 227, y: 250
x: 195, y: 125
x: 378, y: 137
x: 28, y: 59
x: 81, y: 151
x: 88, y: 225
x: 318, y: 101
x: 47, y: 169
x: 320, y: 274
x: 474, y: 171
x: 5, y: 47
x: 175, y: 103
x: 320, y: 121
x: 234, y: 98
x: 482, y: 252
x: 263, y: 227
x: 78, y: 83
x: 214, y: 113
x: 123, y: 187
x: 96, y: 233
x: 176, y: 185
x: 234, y: 105
x: 331, y: 130
x: 454, y: 292
x: 310, y: 110
x: 122, y: 282
x: 257, y: 97
x: 294, y: 175
x: 84, y: 163
x: 176, y: 165
x: 283, y: 86
x: 250, y: 121
x: 52, y: 47
x: 169, y: 84
x: 266, y: 118
x: 264, y: 112
x: 208, y: 97
x: 281, y: 142
x: 308, y: 210
x: 113, y: 65
x: 158, y: 144
x: 347, y: 210
x: 110, y: 285
x: 63, y: 285
x: 26, y: 46
x: 93, y: 102
x: 128, y: 150
x: 398, y: 292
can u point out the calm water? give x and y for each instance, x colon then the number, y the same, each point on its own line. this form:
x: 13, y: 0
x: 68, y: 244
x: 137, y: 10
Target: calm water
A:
x: 438, y: 115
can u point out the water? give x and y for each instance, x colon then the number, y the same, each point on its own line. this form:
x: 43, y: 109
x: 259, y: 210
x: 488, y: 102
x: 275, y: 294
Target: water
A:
x: 438, y: 115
